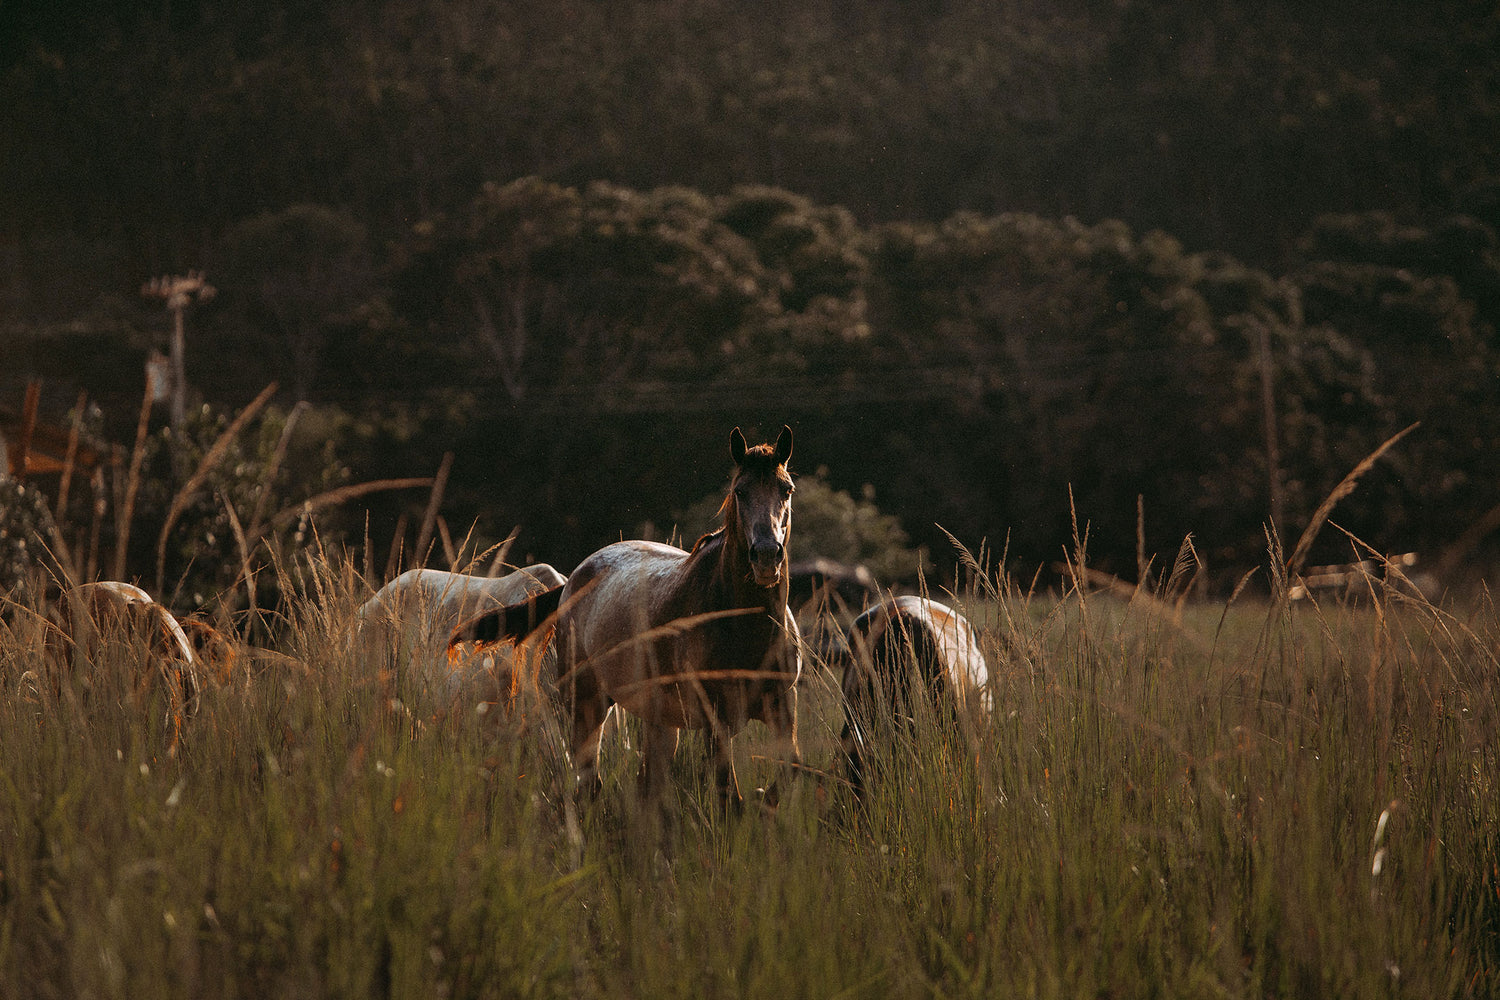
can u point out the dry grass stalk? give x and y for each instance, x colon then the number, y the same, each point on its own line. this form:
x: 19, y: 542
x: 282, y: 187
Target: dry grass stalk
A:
x: 277, y: 457
x: 449, y: 552
x: 1079, y: 556
x: 133, y: 479
x: 1343, y: 489
x: 398, y: 539
x: 501, y: 551
x: 28, y: 425
x: 369, y: 555
x: 429, y: 517
x: 965, y: 557
x: 333, y: 498
x: 65, y: 484
x: 96, y: 522
x: 246, y: 572
x: 1142, y: 564
x: 190, y: 489
x: 1187, y: 569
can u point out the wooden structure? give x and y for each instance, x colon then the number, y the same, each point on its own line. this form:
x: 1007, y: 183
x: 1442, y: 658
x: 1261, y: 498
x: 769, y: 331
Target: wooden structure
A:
x: 30, y: 447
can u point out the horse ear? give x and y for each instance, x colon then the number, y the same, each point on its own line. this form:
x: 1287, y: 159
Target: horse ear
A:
x: 784, y: 445
x: 737, y: 446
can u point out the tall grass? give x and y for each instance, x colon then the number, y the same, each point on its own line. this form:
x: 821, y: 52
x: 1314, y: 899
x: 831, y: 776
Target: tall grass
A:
x: 1166, y: 799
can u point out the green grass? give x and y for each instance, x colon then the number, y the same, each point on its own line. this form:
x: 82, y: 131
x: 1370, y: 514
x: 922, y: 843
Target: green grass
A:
x: 1154, y: 808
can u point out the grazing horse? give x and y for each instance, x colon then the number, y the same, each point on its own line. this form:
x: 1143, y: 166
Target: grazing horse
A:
x: 903, y: 648
x: 688, y: 640
x: 91, y: 617
x: 420, y: 618
x: 219, y: 657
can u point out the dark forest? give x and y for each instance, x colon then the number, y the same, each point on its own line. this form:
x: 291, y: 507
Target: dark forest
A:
x: 1176, y: 267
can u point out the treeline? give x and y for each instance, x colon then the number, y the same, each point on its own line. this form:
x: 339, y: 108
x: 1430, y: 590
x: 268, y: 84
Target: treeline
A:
x: 584, y: 350
x: 905, y: 284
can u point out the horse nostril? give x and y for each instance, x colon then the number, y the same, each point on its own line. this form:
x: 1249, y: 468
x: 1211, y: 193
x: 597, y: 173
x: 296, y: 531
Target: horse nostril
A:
x: 766, y: 551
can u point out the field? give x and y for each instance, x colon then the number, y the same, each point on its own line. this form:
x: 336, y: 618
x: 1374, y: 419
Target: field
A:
x: 1168, y: 798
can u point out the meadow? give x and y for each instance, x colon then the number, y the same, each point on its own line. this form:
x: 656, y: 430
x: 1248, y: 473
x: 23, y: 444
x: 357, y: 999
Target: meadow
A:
x: 1168, y: 797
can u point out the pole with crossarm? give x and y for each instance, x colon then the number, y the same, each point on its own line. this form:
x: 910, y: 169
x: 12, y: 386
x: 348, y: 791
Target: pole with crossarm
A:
x: 178, y: 291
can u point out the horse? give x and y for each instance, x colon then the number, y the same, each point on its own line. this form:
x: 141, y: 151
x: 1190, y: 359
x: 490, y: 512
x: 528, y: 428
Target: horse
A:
x: 699, y: 639
x: 219, y: 657
x: 421, y: 622
x: 91, y: 617
x: 900, y: 649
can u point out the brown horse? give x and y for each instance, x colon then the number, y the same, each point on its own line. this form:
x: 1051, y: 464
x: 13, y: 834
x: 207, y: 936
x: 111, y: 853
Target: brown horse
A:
x: 688, y: 640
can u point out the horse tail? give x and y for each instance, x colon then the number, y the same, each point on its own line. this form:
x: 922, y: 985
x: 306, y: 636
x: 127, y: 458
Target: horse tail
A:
x: 511, y: 621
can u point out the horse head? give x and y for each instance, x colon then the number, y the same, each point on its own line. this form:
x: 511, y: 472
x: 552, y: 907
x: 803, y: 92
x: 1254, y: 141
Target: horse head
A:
x: 758, y: 510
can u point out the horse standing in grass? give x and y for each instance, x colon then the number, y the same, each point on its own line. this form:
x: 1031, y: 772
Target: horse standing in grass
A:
x: 688, y: 640
x: 902, y: 649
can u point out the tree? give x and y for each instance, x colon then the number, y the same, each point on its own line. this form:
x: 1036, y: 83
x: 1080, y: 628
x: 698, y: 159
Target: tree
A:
x: 1420, y: 302
x: 302, y: 274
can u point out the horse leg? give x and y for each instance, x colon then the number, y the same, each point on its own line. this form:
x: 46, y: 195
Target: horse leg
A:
x: 779, y: 712
x: 658, y: 747
x: 589, y: 707
x: 726, y: 784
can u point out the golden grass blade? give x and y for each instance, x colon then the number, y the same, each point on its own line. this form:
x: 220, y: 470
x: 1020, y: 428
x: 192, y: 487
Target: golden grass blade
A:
x: 1186, y: 571
x: 335, y: 497
x: 28, y: 426
x: 1343, y: 489
x: 190, y: 489
x: 65, y: 484
x: 501, y: 551
x: 369, y: 555
x: 133, y: 479
x: 1142, y: 564
x: 277, y: 456
x: 449, y: 552
x: 429, y: 517
x: 96, y: 521
x: 965, y: 557
x: 240, y: 542
x: 398, y: 539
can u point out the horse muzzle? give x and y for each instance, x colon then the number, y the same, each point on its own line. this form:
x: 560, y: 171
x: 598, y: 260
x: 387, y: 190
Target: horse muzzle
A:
x: 766, y: 561
x: 766, y: 578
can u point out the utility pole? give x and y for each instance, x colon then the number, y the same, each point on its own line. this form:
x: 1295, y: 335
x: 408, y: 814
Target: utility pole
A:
x: 178, y: 291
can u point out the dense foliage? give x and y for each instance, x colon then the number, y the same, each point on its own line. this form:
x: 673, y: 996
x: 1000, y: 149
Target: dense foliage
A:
x: 574, y: 244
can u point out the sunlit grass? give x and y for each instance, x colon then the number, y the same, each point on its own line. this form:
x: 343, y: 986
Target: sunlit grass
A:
x: 1162, y: 801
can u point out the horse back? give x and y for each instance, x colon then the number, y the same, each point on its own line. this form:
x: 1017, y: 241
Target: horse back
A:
x: 618, y: 593
x: 639, y: 612
x: 930, y: 640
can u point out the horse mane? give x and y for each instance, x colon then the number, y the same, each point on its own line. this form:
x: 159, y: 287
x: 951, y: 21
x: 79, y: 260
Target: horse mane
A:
x: 710, y: 537
x: 760, y: 459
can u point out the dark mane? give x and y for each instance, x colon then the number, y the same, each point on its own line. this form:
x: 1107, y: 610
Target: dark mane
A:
x: 709, y: 538
x: 760, y: 461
